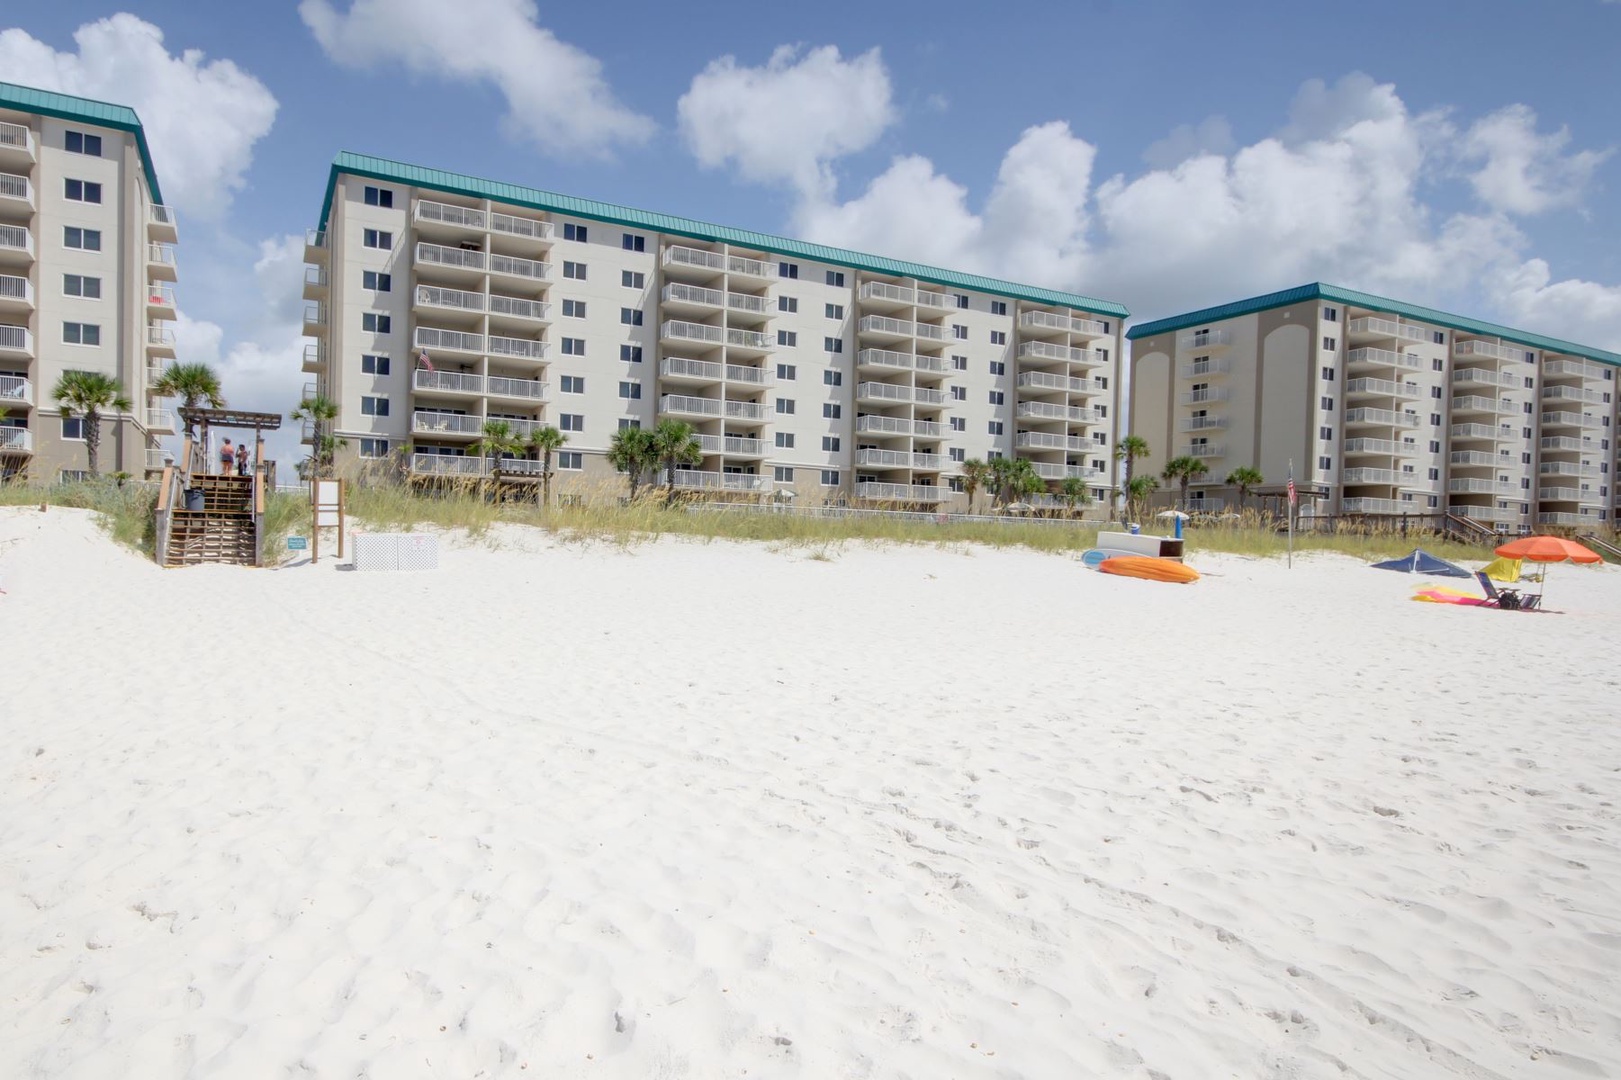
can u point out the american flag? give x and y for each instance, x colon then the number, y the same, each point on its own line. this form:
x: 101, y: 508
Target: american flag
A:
x: 1291, y: 485
x: 423, y: 356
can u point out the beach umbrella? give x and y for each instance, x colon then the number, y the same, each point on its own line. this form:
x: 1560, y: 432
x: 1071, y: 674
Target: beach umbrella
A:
x: 1172, y: 514
x: 1548, y: 549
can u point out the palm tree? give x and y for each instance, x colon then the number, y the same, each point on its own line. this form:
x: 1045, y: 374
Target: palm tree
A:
x: 1073, y: 492
x: 974, y: 474
x: 194, y: 384
x: 89, y: 392
x: 1137, y: 493
x: 320, y: 411
x: 1127, y: 451
x: 1245, y: 479
x: 631, y: 451
x: 1184, y: 470
x: 1010, y: 479
x: 496, y: 439
x: 675, y: 443
x: 545, y: 441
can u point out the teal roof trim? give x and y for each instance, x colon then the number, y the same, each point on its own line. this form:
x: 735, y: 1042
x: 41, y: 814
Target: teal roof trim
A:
x: 628, y: 217
x: 1319, y: 291
x: 86, y: 111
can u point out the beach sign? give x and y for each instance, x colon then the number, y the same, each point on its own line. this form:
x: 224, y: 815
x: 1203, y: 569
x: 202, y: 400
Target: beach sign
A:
x: 298, y: 543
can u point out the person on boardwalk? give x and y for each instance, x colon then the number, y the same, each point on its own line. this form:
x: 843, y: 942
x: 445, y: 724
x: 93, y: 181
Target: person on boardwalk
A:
x: 242, y: 460
x: 227, y: 457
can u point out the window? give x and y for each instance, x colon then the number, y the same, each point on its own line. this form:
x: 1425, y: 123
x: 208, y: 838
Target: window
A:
x: 787, y: 337
x: 377, y: 238
x: 573, y: 346
x: 833, y: 345
x: 788, y: 270
x: 785, y: 406
x: 81, y: 239
x: 1331, y: 314
x: 994, y: 427
x: 1325, y: 463
x: 627, y: 423
x: 574, y: 270
x: 782, y: 474
x: 998, y: 307
x: 1435, y: 474
x: 1525, y: 433
x: 959, y: 363
x: 570, y: 460
x: 1327, y: 404
x: 383, y: 197
x: 1528, y: 408
x: 830, y: 442
x: 1330, y: 344
x: 832, y: 410
x: 834, y: 311
x: 785, y: 440
x: 961, y: 299
x: 1525, y: 459
x: 373, y: 365
x: 830, y: 478
x: 1435, y: 419
x: 630, y: 390
x: 959, y: 332
x: 374, y: 448
x: 81, y: 191
x: 959, y: 423
x: 573, y: 309
x: 571, y: 421
x: 573, y: 384
x: 835, y: 278
x: 1438, y: 365
x: 1441, y: 339
x: 788, y: 303
x: 1434, y: 501
x: 998, y: 337
x: 73, y: 428
x: 1530, y: 383
x: 1435, y: 446
x: 632, y: 242
x: 787, y: 372
x: 373, y: 323
x: 78, y: 142
x: 79, y: 285
x: 79, y: 333
x: 998, y: 367
x: 630, y: 354
x: 630, y: 316
x: 577, y: 233
x: 830, y: 377
x: 1328, y: 374
x: 1435, y: 392
x: 373, y: 406
x: 997, y: 397
x: 371, y: 279
x: 632, y: 279
x: 993, y: 455
x: 959, y: 393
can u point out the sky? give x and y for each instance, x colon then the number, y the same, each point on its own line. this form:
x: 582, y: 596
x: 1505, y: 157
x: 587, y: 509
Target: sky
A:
x: 1162, y: 154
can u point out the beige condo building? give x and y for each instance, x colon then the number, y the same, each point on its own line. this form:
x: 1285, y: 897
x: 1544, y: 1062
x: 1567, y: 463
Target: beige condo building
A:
x: 1384, y: 407
x: 87, y: 271
x: 828, y: 374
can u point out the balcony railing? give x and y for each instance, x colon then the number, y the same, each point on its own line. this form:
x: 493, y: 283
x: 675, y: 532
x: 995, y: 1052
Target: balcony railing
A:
x: 928, y: 299
x: 432, y: 296
x: 1051, y: 321
x: 502, y: 386
x: 161, y: 254
x: 1477, y: 457
x: 1565, y: 442
x: 428, y: 422
x: 160, y: 336
x: 164, y: 215
x: 513, y: 266
x: 449, y: 381
x: 1483, y: 376
x: 1042, y: 440
x: 1572, y: 393
x: 741, y: 373
x: 17, y: 137
x: 1201, y: 369
x: 16, y: 288
x: 731, y: 444
x: 693, y: 369
x: 676, y: 255
x: 1383, y: 358
x: 1468, y: 485
x: 439, y: 255
x: 524, y: 348
x: 519, y: 308
x: 1374, y: 476
x: 528, y: 228
x: 1053, y: 471
x: 882, y: 324
x: 1044, y: 351
x: 432, y: 337
x: 930, y: 332
x: 746, y: 410
x: 883, y: 392
x: 698, y: 479
x: 1564, y: 369
x: 1482, y: 431
x: 1206, y: 450
x: 15, y: 238
x: 1205, y: 339
x: 15, y: 388
x: 1042, y: 380
x: 1381, y: 416
x: 16, y: 339
x: 926, y: 493
x: 1376, y: 506
x: 742, y: 264
x: 677, y: 330
x: 1376, y: 446
x: 883, y: 358
x: 446, y: 214
x: 692, y: 294
x: 749, y: 339
x: 1387, y: 328
x: 1466, y: 349
x: 1546, y: 468
x: 883, y: 425
x: 1476, y: 403
x: 1482, y: 513
x: 16, y: 440
x: 447, y: 465
x: 882, y: 290
x: 689, y: 406
x: 13, y: 186
x: 1201, y: 423
x: 1569, y: 419
x: 1383, y: 387
x: 1042, y: 410
x: 1566, y: 494
x: 1199, y: 397
x: 1579, y: 520
x: 160, y: 420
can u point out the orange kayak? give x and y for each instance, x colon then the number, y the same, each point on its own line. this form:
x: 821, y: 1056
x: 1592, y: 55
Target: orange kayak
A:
x: 1142, y: 566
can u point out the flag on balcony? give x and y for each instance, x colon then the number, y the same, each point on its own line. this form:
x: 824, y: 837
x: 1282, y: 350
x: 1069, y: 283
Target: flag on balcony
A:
x: 1291, y: 485
x: 423, y: 356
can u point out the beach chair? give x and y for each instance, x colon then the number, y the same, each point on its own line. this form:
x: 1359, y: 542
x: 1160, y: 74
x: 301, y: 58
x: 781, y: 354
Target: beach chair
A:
x: 1506, y: 599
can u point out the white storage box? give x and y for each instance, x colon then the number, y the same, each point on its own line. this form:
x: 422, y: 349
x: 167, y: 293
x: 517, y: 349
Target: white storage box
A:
x: 395, y: 551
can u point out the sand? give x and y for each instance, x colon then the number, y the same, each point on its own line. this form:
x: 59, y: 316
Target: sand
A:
x: 705, y: 810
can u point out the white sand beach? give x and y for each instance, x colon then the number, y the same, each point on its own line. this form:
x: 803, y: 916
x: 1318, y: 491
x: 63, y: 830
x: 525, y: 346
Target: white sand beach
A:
x: 721, y: 810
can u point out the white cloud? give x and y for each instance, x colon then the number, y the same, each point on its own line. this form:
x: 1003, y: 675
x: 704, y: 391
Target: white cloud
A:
x: 1522, y: 172
x: 1573, y: 309
x: 1213, y: 135
x: 556, y: 95
x: 201, y: 118
x: 787, y: 121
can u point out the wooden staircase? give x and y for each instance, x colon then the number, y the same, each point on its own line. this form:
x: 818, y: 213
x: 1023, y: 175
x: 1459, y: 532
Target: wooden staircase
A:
x: 225, y: 530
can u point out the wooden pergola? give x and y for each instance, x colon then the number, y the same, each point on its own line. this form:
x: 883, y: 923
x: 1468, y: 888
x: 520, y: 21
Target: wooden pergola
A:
x: 196, y: 455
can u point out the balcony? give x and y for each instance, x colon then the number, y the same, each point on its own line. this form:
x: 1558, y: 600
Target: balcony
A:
x: 1582, y: 521
x: 732, y: 445
x: 1565, y: 442
x: 1571, y: 369
x: 883, y: 327
x: 16, y: 196
x: 1041, y: 410
x: 162, y: 224
x: 1201, y: 397
x: 749, y: 340
x: 700, y: 480
x: 676, y: 257
x: 528, y: 390
x: 430, y: 422
x: 433, y: 216
x: 440, y: 257
x: 16, y: 295
x: 17, y: 146
x: 160, y: 421
x: 1205, y: 341
x: 1466, y: 350
x: 1569, y: 420
x: 160, y: 262
x: 1482, y: 431
x: 1572, y: 393
x: 1483, y: 513
x: 928, y: 429
x: 1205, y: 450
x: 446, y: 465
x: 1383, y: 388
x: 314, y: 319
x: 682, y: 405
x: 753, y: 376
x: 746, y: 410
x: 432, y: 296
x: 883, y: 359
x: 16, y: 246
x: 1050, y: 471
x: 160, y: 340
x: 521, y: 228
x: 883, y: 393
x: 16, y: 440
x: 446, y: 382
x: 1381, y: 417
x: 1382, y: 358
x: 1042, y: 380
x: 885, y: 425
x: 677, y: 295
x: 1370, y: 326
x: 448, y: 341
x: 516, y: 307
x: 517, y: 348
x: 1048, y: 322
x: 315, y: 246
x: 15, y: 389
x: 676, y: 330
x: 1201, y: 423
x: 921, y: 493
x: 1546, y: 468
x: 316, y: 283
x: 1478, y: 458
x: 882, y: 294
x: 935, y: 300
x: 1483, y: 377
x: 158, y: 459
x: 16, y: 342
x: 1384, y: 447
x: 160, y: 303
x: 698, y: 371
x: 1041, y: 352
x: 744, y: 266
x: 314, y: 362
x: 898, y: 459
x: 1376, y: 506
x: 1466, y: 485
x: 1567, y: 494
x: 929, y: 331
x: 512, y: 266
x: 1375, y: 476
x: 1205, y: 369
x: 1042, y: 440
x: 1476, y: 404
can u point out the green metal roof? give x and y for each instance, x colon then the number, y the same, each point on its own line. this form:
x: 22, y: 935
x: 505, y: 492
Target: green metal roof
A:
x: 457, y: 184
x: 87, y: 111
x: 1319, y: 291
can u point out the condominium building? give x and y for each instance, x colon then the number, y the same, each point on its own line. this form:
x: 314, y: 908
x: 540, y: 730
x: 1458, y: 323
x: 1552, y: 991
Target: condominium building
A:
x: 1384, y: 408
x: 810, y: 371
x: 87, y: 265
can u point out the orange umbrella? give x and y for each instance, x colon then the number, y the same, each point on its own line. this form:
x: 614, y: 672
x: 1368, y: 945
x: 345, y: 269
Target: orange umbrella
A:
x: 1548, y: 549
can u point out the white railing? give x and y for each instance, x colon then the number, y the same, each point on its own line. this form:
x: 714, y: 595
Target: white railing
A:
x: 881, y: 290
x: 164, y: 215
x: 743, y: 374
x: 520, y: 426
x: 696, y: 369
x: 1572, y: 393
x: 429, y: 422
x: 870, y: 489
x: 1477, y: 457
x: 446, y: 214
x: 516, y: 267
x: 1563, y: 494
x: 928, y: 428
x: 455, y: 382
x: 1369, y: 324
x: 431, y: 337
x: 883, y: 324
x: 883, y: 358
x: 899, y: 459
x: 1042, y: 350
x: 1053, y: 471
x: 1385, y: 387
x: 315, y: 275
x: 1482, y: 513
x: 1042, y: 440
x: 157, y: 458
x: 16, y: 339
x: 692, y: 294
x: 1384, y: 358
x: 16, y: 388
x: 17, y: 137
x: 883, y: 425
x: 526, y: 348
x: 16, y: 288
x: 930, y: 332
x: 160, y: 420
x: 1041, y: 410
x: 1476, y: 403
x: 1486, y: 349
x: 1555, y: 468
x: 1201, y: 423
x: 692, y: 406
x: 15, y: 440
x: 1569, y: 419
x: 314, y: 314
x: 1565, y: 442
x: 698, y: 479
x: 1375, y: 506
x: 13, y: 186
x: 747, y: 410
x: 1065, y: 324
x: 1554, y: 369
x: 749, y: 339
x: 1199, y: 397
x: 1205, y: 339
x: 1566, y: 519
x: 930, y: 363
x: 1380, y: 416
x: 928, y: 299
x: 1483, y: 376
x: 519, y: 308
x: 439, y: 255
x: 883, y: 392
x: 517, y: 466
x: 161, y: 254
x: 501, y: 386
x: 528, y: 228
x: 447, y: 465
x: 1467, y: 485
x: 1198, y: 369
x: 685, y: 256
x: 432, y: 296
x: 315, y: 238
x: 731, y: 444
x: 1481, y: 431
x: 691, y: 331
x: 755, y: 305
x: 741, y: 264
x: 312, y: 355
x: 1206, y: 450
x: 16, y: 238
x: 160, y: 336
x: 1374, y: 446
x: 925, y: 396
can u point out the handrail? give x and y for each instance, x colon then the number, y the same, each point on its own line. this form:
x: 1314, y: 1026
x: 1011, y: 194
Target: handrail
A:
x: 1469, y: 527
x: 258, y: 505
x: 1604, y: 546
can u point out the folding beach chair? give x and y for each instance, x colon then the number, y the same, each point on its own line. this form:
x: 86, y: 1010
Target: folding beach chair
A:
x: 1506, y: 599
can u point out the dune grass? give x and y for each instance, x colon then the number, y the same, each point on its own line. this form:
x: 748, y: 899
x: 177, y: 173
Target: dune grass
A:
x: 129, y: 511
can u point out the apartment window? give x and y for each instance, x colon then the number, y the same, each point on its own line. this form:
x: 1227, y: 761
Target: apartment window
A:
x: 78, y: 142
x: 576, y: 233
x: 1527, y: 409
x: 785, y: 406
x: 1525, y: 459
x: 630, y: 354
x: 998, y: 367
x: 961, y: 299
x: 632, y: 242
x: 835, y: 278
x: 632, y: 279
x: 628, y: 423
x: 993, y: 455
x: 830, y: 478
x: 1325, y: 463
x: 1435, y: 418
x: 1327, y: 404
x: 994, y: 427
x: 830, y: 442
x: 997, y: 397
x: 785, y: 440
x: 76, y: 333
x: 571, y: 421
x: 959, y: 423
x: 1328, y: 374
x: 782, y: 474
x: 373, y: 323
x: 1441, y: 339
x: 957, y: 453
x: 832, y: 410
x: 1438, y: 365
x: 788, y: 270
x: 371, y: 279
x: 1435, y: 446
x: 1331, y: 314
x: 1433, y: 501
x: 631, y: 390
x: 959, y: 393
x: 79, y: 285
x: 573, y: 309
x: 789, y: 304
x: 1326, y: 434
x: 787, y: 372
x: 830, y: 377
x: 834, y: 311
x: 959, y: 332
x: 574, y: 270
x: 373, y: 405
x: 833, y: 345
x: 73, y: 428
x: 959, y: 363
x: 998, y: 307
x: 383, y: 197
x: 1525, y: 433
x: 1435, y: 392
x: 998, y: 337
x: 787, y: 337
x: 81, y: 239
x: 84, y: 191
x: 377, y: 238
x: 373, y: 365
x: 573, y: 384
x: 1435, y: 474
x: 630, y: 316
x: 570, y: 460
x: 573, y: 346
x: 1407, y: 496
x: 374, y: 448
x: 1330, y: 344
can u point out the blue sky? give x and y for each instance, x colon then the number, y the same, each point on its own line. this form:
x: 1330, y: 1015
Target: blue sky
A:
x: 1161, y: 154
